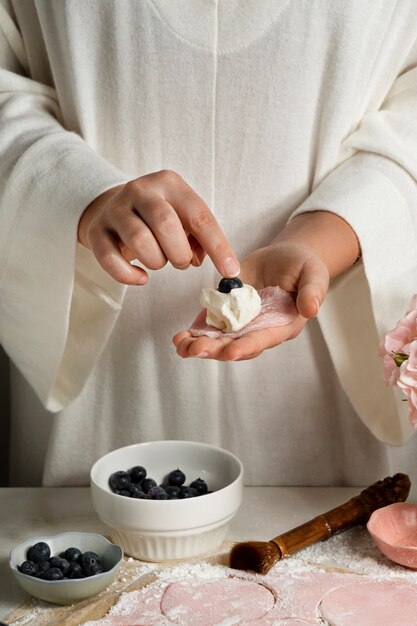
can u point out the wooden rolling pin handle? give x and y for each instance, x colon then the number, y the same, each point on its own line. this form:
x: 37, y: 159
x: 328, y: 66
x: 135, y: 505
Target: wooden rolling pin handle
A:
x: 352, y: 513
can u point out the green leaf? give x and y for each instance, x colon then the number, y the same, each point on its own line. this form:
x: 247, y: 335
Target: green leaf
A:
x: 399, y: 358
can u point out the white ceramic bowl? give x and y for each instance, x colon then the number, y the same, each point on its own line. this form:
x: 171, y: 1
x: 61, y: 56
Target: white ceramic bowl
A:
x: 164, y: 530
x: 68, y: 591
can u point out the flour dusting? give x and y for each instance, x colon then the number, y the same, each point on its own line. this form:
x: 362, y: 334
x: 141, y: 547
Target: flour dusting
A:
x: 202, y: 594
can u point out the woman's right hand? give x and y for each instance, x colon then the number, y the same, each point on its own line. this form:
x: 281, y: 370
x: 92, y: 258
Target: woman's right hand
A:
x: 157, y: 218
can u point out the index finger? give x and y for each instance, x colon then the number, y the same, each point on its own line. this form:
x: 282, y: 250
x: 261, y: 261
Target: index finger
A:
x: 199, y: 221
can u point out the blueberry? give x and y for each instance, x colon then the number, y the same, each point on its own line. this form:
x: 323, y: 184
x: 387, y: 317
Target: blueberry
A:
x: 60, y: 563
x: 176, y: 478
x: 39, y: 552
x: 28, y: 567
x: 147, y: 484
x: 188, y: 492
x: 75, y: 570
x: 139, y: 494
x: 90, y: 564
x: 92, y: 569
x: 158, y: 493
x: 72, y: 554
x: 227, y: 284
x: 173, y: 492
x: 41, y: 568
x: 53, y: 573
x: 119, y: 480
x: 133, y: 489
x: 200, y: 485
x: 137, y: 474
x: 122, y: 492
x: 87, y: 556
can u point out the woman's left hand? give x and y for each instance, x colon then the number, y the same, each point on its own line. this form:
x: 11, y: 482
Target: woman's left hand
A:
x: 292, y: 267
x: 311, y: 249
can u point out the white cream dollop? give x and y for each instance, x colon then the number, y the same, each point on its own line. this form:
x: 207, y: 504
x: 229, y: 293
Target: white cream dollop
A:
x: 231, y: 311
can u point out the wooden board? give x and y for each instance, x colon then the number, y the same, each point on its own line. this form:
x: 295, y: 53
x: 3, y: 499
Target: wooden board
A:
x: 130, y: 577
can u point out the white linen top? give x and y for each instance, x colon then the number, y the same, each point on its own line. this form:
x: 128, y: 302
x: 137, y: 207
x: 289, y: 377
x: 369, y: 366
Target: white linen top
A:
x: 266, y: 108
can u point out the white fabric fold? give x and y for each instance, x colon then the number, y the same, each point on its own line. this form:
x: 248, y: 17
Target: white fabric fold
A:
x: 49, y: 177
x: 375, y: 191
x: 261, y: 107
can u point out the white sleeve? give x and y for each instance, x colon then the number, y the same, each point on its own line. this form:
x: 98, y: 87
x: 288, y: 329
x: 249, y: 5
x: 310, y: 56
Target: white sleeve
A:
x: 57, y: 307
x: 375, y: 191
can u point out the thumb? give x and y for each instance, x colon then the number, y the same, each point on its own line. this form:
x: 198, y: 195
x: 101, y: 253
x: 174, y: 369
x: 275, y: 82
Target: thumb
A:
x: 312, y: 287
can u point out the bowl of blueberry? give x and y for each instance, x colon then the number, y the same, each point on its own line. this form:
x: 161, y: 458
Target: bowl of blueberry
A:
x: 65, y: 568
x: 167, y: 500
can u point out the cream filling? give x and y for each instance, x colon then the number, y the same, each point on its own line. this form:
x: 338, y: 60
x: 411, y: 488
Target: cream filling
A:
x: 231, y: 311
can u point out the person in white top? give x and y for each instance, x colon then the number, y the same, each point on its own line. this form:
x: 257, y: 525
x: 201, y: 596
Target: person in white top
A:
x: 278, y: 139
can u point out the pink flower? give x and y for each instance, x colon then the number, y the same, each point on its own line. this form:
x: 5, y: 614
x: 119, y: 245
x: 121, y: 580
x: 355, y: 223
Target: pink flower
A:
x: 398, y: 353
x: 395, y: 348
x: 407, y: 381
x: 392, y: 352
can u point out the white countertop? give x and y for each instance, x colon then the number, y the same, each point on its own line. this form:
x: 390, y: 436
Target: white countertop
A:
x: 265, y: 513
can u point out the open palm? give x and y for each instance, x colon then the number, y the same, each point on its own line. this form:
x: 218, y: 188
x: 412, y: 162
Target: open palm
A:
x: 292, y: 267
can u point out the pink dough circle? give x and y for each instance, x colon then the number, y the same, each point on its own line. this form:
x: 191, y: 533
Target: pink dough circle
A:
x: 373, y: 603
x: 191, y: 602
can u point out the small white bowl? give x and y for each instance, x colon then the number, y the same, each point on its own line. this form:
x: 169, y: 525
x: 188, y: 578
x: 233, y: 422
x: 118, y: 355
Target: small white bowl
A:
x: 165, y: 530
x: 68, y: 591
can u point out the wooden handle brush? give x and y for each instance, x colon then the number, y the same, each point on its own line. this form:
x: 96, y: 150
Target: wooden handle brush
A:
x: 260, y: 556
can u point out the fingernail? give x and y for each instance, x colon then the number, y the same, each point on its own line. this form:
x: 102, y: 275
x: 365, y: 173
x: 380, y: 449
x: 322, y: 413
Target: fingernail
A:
x: 202, y: 355
x: 231, y: 267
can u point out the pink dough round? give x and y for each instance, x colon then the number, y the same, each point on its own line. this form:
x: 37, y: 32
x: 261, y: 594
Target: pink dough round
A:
x: 278, y: 309
x: 281, y: 598
x: 191, y: 602
x: 372, y: 603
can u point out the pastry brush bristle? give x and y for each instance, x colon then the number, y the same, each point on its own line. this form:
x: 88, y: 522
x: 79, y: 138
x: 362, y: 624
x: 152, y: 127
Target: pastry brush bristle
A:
x: 256, y: 556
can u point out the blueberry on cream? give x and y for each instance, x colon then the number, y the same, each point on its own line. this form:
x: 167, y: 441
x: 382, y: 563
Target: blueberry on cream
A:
x: 231, y: 306
x: 227, y: 284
